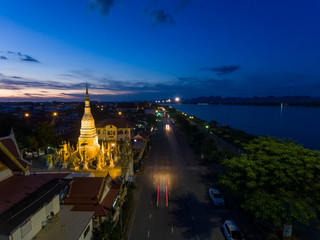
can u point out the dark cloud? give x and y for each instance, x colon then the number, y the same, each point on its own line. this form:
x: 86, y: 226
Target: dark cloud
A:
x: 182, y: 5
x: 222, y: 69
x: 7, y: 82
x: 160, y: 16
x: 19, y: 56
x: 103, y: 5
x: 27, y: 58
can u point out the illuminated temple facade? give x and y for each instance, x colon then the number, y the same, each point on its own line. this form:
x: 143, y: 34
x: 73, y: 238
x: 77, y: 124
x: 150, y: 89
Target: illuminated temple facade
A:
x: 88, y: 145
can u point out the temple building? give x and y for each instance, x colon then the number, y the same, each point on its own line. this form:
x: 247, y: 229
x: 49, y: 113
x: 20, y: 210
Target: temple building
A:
x: 115, y: 129
x: 88, y: 145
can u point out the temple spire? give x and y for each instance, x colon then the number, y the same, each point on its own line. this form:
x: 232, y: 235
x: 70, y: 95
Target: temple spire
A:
x: 87, y: 94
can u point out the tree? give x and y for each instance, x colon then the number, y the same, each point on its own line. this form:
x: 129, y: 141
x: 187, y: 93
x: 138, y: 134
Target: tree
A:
x: 31, y: 144
x: 208, y: 145
x: 151, y: 119
x: 277, y: 179
x: 45, y: 135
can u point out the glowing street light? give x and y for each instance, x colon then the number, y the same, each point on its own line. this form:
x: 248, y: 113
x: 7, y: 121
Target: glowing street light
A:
x: 55, y: 114
x: 27, y: 115
x: 177, y: 99
x: 119, y: 113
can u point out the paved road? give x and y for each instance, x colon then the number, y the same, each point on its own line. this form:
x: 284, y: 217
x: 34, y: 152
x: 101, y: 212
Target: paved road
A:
x: 173, y: 200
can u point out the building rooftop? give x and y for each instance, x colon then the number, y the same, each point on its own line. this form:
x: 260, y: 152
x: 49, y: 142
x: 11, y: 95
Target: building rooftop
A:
x: 66, y: 225
x: 142, y: 134
x: 86, y: 190
x: 18, y: 213
x: 10, y: 154
x: 15, y: 188
x: 86, y: 193
x: 118, y: 122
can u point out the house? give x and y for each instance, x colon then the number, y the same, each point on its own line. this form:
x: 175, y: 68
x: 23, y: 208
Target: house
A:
x: 141, y: 137
x: 28, y: 202
x: 114, y: 129
x: 93, y: 194
x: 68, y: 224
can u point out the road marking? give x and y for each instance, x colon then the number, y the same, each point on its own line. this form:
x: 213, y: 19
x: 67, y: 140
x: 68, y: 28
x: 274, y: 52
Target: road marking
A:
x: 148, y: 233
x: 172, y: 228
x: 192, y: 218
x: 198, y: 237
x: 150, y: 216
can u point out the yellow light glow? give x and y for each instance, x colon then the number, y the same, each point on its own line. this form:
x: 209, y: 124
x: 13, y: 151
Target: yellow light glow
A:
x: 119, y: 113
x: 112, y: 144
x: 27, y: 115
x: 55, y: 114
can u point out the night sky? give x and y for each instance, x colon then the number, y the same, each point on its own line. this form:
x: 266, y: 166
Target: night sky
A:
x: 154, y: 49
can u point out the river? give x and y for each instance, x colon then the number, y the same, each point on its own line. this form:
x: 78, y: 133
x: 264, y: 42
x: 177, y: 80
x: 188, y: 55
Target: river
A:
x: 300, y: 124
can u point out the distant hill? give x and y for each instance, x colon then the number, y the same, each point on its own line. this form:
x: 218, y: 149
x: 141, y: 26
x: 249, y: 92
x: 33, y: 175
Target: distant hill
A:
x: 269, y: 100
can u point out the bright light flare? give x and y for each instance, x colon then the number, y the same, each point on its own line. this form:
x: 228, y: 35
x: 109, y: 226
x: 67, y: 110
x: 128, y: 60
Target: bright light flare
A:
x: 158, y: 196
x: 167, y: 196
x: 177, y: 99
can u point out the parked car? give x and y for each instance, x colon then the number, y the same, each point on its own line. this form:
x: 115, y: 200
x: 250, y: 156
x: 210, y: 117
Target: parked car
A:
x: 231, y: 231
x: 216, y: 197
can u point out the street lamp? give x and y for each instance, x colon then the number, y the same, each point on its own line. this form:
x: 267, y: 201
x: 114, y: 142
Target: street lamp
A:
x: 27, y: 115
x: 177, y: 99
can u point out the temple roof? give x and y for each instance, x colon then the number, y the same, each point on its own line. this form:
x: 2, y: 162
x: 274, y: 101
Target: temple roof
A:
x: 10, y: 154
x: 86, y: 193
x: 87, y: 93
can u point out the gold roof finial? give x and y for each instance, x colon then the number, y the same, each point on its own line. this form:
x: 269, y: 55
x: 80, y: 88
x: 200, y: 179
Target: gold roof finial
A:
x: 87, y: 94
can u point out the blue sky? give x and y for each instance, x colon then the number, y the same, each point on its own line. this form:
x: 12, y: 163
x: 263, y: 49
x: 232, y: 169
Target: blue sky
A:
x: 156, y: 49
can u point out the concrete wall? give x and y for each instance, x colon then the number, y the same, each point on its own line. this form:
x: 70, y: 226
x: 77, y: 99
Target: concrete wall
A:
x: 87, y: 233
x: 4, y: 174
x: 37, y: 220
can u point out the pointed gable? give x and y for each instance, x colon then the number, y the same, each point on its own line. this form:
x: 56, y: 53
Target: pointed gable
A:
x: 10, y: 154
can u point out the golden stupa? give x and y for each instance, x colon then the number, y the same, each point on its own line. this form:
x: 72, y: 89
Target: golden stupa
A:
x: 88, y: 145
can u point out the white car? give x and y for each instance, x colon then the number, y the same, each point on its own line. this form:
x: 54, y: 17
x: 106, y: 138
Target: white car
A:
x: 231, y: 231
x: 216, y: 197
